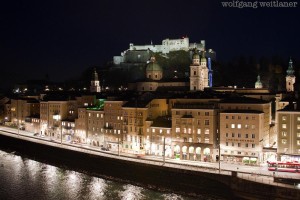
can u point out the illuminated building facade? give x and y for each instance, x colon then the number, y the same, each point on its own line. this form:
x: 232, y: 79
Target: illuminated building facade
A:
x: 288, y: 123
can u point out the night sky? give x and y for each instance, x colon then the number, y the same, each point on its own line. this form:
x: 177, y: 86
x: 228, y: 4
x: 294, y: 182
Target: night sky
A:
x: 62, y: 38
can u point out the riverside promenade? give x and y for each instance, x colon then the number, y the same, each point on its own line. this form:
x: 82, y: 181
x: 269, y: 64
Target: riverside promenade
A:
x: 244, y: 181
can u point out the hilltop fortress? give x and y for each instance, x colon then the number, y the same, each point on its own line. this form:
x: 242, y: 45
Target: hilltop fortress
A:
x: 140, y: 53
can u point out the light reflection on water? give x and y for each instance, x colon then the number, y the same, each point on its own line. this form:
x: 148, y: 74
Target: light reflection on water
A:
x: 23, y: 178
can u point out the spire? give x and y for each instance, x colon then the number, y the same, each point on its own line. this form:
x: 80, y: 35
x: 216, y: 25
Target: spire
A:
x: 290, y: 71
x: 258, y: 83
x: 95, y: 77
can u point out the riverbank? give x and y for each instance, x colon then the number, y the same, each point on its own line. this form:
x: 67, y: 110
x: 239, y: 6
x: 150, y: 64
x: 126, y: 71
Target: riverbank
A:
x: 152, y: 176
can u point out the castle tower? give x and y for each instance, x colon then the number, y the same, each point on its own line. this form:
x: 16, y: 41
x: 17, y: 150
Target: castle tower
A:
x: 258, y: 83
x: 95, y: 84
x: 198, y: 72
x: 153, y: 70
x: 290, y: 77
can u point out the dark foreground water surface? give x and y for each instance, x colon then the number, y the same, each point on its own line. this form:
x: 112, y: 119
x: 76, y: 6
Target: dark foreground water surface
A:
x: 22, y: 178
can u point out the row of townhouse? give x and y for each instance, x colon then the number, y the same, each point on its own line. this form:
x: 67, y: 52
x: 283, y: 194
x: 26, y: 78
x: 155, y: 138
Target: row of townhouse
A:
x: 233, y: 129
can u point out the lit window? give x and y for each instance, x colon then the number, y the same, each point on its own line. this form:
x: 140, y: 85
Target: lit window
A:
x: 160, y: 130
x: 198, y: 131
x: 168, y: 131
x: 284, y: 134
x: 298, y: 134
x: 298, y: 142
x: 298, y: 126
x: 283, y: 125
x: 184, y: 130
x: 206, y: 140
x: 283, y: 141
x: 298, y: 119
x: 253, y: 126
x: 177, y: 130
x: 153, y: 130
x: 189, y: 130
x: 246, y: 126
x: 283, y: 118
x: 190, y: 139
x: 206, y: 131
x: 97, y: 115
x: 232, y: 125
x: 239, y: 126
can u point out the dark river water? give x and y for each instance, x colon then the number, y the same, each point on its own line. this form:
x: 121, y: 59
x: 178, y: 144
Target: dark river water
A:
x: 22, y: 178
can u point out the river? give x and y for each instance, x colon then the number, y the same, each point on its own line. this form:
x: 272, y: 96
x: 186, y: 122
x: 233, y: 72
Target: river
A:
x: 24, y: 178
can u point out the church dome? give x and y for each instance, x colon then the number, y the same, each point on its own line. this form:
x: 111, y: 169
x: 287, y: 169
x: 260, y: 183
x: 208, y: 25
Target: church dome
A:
x: 196, y: 55
x: 153, y: 66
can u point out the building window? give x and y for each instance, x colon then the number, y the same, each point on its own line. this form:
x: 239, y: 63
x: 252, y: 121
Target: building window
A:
x: 198, y: 131
x: 284, y: 133
x: 253, y: 135
x: 283, y: 126
x: 232, y: 135
x: 283, y: 118
x: 239, y: 144
x: 177, y: 130
x: 199, y: 140
x: 232, y: 144
x: 253, y: 145
x: 190, y: 139
x: 239, y: 126
x: 206, y: 131
x: 232, y: 125
x: 298, y: 142
x: 246, y: 136
x: 252, y: 126
x: 298, y: 126
x: 232, y: 117
x: 298, y: 134
x: 246, y: 126
x: 283, y: 141
x: 246, y: 145
x: 226, y: 134
x: 239, y: 135
x: 226, y: 143
x: 206, y: 122
x: 298, y: 119
x: 227, y: 126
x: 239, y: 117
x: 226, y: 117
x: 206, y: 113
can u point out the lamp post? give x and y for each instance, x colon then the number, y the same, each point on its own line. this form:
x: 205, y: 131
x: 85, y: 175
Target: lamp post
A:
x: 61, y: 132
x: 164, y: 150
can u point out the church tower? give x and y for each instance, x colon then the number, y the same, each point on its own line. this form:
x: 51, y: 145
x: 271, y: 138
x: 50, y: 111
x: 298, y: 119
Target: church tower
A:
x: 290, y: 77
x: 95, y: 84
x: 258, y: 83
x: 198, y: 72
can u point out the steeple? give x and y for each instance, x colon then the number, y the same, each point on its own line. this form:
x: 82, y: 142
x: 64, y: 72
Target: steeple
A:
x: 258, y: 83
x: 95, y: 84
x: 95, y: 77
x: 290, y: 77
x: 290, y: 71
